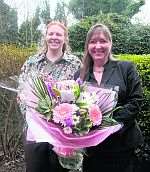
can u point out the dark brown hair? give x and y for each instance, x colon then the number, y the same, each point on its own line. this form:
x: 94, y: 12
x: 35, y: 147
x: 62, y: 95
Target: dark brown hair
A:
x: 87, y: 59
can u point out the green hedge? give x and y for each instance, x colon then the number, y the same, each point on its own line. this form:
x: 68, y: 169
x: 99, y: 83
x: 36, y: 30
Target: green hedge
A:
x: 127, y: 38
x: 143, y: 66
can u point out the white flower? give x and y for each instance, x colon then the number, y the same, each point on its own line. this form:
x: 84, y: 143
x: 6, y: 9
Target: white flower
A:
x: 56, y: 119
x: 67, y: 130
x: 67, y: 96
x: 76, y: 119
x: 87, y: 99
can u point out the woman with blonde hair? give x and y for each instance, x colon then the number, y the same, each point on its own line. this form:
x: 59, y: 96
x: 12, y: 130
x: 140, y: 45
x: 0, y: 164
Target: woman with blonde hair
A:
x: 99, y: 67
x: 55, y: 61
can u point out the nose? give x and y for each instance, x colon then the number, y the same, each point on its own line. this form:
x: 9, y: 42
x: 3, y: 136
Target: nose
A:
x: 98, y: 45
x: 54, y: 36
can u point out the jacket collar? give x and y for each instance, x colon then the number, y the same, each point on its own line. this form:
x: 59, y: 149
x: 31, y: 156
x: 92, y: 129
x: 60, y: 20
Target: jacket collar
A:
x: 109, y: 68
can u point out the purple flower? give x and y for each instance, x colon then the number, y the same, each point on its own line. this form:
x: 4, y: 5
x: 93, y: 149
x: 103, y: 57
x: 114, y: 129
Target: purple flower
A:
x: 68, y: 122
x: 49, y: 88
x: 79, y: 81
x: 78, y: 113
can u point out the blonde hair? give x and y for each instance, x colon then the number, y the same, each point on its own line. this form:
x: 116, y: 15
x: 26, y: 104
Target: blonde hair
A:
x: 87, y: 61
x: 44, y: 46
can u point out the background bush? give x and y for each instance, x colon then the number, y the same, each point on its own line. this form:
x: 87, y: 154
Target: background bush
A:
x: 12, y: 58
x: 127, y: 38
x: 143, y: 66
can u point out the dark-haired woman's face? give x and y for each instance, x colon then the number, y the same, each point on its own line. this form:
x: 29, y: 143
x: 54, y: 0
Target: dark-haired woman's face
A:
x: 55, y: 38
x: 99, y: 47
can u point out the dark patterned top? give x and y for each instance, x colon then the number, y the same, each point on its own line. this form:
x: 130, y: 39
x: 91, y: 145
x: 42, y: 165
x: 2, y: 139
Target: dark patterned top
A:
x: 62, y: 69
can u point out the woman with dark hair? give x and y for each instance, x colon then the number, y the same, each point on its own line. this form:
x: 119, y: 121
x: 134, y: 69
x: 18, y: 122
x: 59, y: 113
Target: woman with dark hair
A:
x: 116, y: 153
x: 55, y: 61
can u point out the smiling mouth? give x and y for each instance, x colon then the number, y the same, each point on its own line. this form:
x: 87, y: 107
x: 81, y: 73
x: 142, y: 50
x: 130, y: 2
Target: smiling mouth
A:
x: 54, y: 41
x: 99, y: 53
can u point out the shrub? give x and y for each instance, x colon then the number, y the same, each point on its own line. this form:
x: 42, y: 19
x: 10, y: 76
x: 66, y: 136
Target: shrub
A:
x: 127, y: 38
x: 12, y: 58
x: 11, y: 125
x: 143, y: 66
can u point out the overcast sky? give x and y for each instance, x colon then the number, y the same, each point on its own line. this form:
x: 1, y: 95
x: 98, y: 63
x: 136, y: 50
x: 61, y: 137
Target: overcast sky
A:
x: 25, y: 7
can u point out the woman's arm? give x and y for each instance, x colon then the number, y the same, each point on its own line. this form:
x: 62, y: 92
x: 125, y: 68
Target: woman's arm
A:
x: 24, y: 76
x: 134, y: 96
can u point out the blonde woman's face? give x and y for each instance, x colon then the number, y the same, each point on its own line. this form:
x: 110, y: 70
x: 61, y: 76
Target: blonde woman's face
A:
x: 99, y: 47
x: 55, y: 38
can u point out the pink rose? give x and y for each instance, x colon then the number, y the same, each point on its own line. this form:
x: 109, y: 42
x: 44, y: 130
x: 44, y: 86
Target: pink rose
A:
x: 64, y: 110
x: 95, y: 114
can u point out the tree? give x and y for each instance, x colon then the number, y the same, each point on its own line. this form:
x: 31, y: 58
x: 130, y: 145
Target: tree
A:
x: 8, y: 23
x: 28, y: 32
x: 133, y: 8
x: 82, y: 8
x: 12, y: 26
x: 60, y: 13
x: 45, y: 13
x: 115, y: 22
x: 24, y: 33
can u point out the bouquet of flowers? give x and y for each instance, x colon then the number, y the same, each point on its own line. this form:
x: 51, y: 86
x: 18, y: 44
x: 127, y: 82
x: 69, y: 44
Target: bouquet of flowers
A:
x: 70, y: 115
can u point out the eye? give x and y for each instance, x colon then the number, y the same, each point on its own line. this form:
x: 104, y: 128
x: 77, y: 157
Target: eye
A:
x: 50, y: 33
x: 59, y: 34
x: 103, y: 41
x: 92, y: 41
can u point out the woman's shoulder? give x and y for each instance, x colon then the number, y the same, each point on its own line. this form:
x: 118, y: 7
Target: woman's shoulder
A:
x: 34, y: 59
x: 123, y: 64
x: 126, y: 67
x: 31, y: 63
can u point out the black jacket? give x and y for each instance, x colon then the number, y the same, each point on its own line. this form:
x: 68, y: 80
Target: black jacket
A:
x: 124, y: 75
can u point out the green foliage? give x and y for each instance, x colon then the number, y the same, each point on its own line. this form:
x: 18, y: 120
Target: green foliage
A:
x: 143, y: 66
x: 84, y: 8
x: 60, y: 13
x: 133, y: 39
x: 11, y: 125
x: 12, y: 58
x: 81, y: 9
x: 133, y: 8
x: 84, y: 125
x: 40, y: 88
x: 44, y: 107
x: 8, y: 24
x: 77, y: 33
x: 45, y: 13
x: 28, y: 32
x: 127, y: 38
